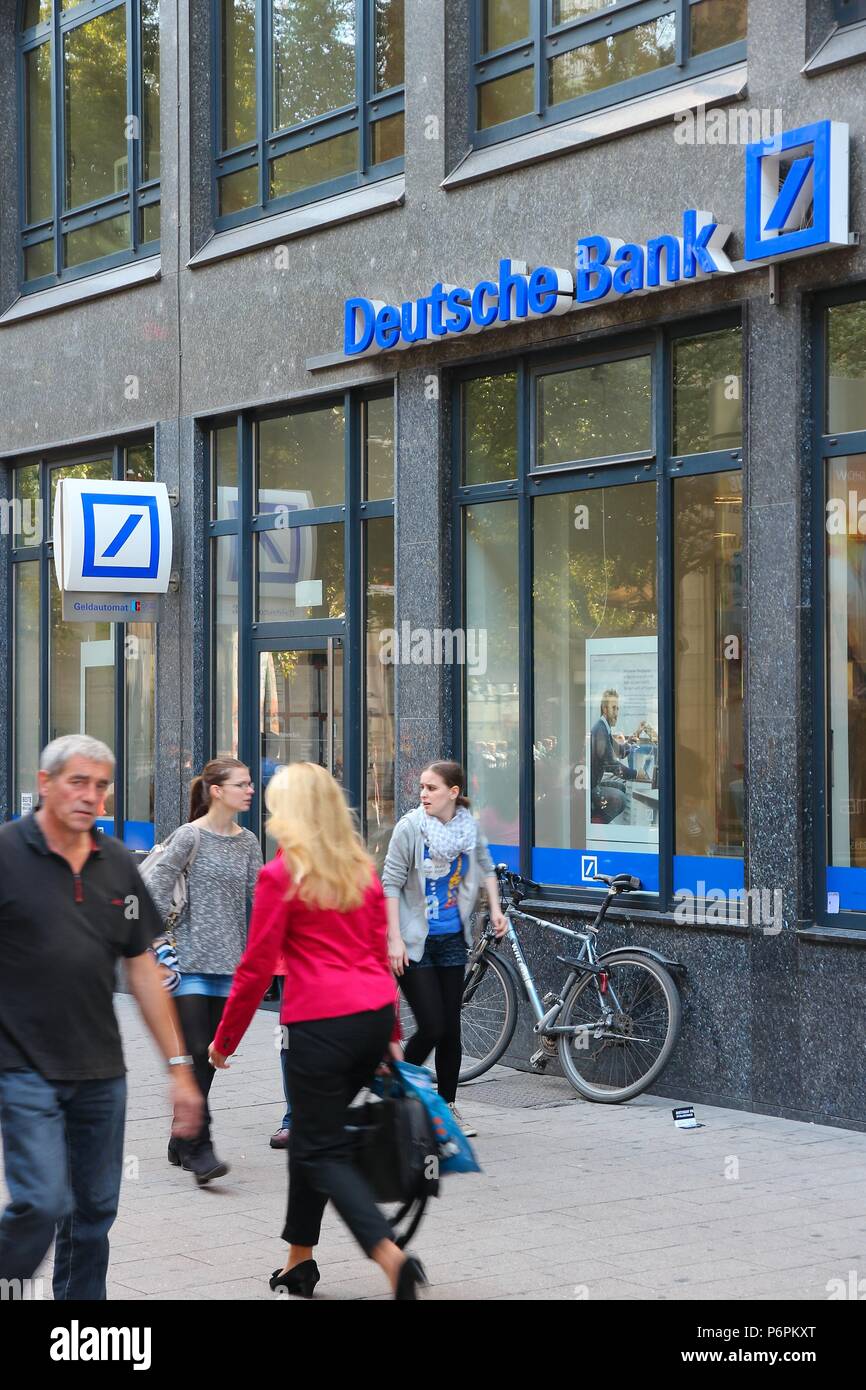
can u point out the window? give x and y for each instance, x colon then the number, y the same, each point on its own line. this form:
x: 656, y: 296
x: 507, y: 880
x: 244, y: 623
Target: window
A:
x: 600, y: 583
x: 840, y: 525
x: 90, y: 144
x: 541, y: 61
x: 849, y: 11
x: 302, y: 597
x: 310, y: 101
x: 78, y: 678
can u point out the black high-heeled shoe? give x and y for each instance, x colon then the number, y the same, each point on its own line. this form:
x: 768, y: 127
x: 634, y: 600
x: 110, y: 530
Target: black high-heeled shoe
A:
x: 299, y: 1281
x: 412, y: 1275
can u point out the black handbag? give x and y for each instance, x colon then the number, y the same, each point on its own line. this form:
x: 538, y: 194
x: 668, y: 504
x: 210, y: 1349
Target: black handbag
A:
x: 396, y: 1147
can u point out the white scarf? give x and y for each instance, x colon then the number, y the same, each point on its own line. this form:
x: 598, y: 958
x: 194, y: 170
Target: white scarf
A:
x: 445, y: 840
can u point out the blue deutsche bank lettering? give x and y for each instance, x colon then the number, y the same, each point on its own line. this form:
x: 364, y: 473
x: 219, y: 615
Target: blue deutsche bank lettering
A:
x: 607, y: 268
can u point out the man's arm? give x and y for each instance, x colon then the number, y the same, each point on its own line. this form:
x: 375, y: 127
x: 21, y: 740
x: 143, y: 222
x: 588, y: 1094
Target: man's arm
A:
x: 160, y: 1016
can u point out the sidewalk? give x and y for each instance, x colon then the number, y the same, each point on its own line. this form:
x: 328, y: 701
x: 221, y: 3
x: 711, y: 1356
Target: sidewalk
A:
x: 576, y: 1201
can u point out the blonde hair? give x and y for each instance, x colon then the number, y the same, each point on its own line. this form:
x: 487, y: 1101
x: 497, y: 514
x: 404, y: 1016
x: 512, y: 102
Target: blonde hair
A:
x: 321, y: 844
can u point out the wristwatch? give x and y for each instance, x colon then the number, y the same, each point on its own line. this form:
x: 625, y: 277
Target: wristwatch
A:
x: 180, y: 1061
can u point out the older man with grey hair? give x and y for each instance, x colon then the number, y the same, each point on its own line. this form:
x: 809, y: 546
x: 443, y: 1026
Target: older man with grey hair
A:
x: 71, y: 904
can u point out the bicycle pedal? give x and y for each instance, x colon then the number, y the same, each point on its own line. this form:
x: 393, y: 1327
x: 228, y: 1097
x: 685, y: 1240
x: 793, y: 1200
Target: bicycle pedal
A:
x: 550, y: 999
x: 539, y: 1060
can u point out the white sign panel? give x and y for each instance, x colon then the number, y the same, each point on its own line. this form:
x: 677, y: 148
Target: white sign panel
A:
x: 112, y: 537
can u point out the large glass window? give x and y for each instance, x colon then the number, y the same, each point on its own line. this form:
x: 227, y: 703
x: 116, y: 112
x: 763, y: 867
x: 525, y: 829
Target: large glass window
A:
x: 310, y: 100
x: 841, y: 524
x: 302, y: 596
x: 598, y: 737
x: 541, y: 61
x: 90, y: 145
x: 67, y: 677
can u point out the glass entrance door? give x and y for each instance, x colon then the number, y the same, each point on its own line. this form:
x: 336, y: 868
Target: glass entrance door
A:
x: 300, y: 713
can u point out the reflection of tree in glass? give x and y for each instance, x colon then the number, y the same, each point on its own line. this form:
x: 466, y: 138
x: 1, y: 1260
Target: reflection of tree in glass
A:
x: 594, y: 412
x: 27, y: 483
x: 95, y: 95
x: 150, y: 157
x: 701, y: 366
x: 389, y: 44
x: 314, y: 58
x: 847, y: 338
x: 238, y: 72
x: 613, y: 59
x: 490, y: 429
x: 717, y: 22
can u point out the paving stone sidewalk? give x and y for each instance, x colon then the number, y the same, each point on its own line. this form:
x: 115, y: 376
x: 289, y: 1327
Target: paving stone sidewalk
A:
x: 576, y: 1201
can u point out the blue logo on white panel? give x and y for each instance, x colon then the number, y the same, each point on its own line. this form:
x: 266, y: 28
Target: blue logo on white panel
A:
x: 588, y: 867
x: 797, y: 191
x: 121, y: 536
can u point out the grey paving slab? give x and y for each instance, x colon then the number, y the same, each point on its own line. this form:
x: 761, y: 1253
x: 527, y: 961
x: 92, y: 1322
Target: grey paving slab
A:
x: 576, y: 1202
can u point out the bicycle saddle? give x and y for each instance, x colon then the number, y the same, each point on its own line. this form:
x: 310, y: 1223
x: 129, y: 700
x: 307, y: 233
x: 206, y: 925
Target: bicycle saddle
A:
x: 622, y: 883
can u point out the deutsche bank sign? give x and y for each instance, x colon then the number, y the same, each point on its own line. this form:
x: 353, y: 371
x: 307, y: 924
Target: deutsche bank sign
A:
x: 796, y: 203
x: 112, y: 537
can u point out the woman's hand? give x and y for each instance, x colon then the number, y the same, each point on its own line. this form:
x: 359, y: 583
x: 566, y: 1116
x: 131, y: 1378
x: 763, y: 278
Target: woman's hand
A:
x: 217, y: 1059
x: 498, y: 921
x: 397, y: 957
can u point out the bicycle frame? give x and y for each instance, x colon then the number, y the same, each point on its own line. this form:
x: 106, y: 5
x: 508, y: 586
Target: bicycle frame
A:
x: 546, y: 1018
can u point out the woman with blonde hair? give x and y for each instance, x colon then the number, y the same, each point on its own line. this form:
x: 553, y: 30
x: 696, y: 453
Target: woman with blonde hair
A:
x: 320, y: 903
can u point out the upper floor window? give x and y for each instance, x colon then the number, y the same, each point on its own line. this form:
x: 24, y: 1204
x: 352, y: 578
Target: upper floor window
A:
x: 849, y: 11
x: 541, y: 61
x: 89, y: 80
x: 309, y: 103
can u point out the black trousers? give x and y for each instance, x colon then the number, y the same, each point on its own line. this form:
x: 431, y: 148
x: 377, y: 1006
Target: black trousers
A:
x: 435, y: 995
x: 329, y: 1060
x: 200, y: 1016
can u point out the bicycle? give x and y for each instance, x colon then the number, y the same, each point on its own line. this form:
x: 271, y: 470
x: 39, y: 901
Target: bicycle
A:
x: 614, y: 1023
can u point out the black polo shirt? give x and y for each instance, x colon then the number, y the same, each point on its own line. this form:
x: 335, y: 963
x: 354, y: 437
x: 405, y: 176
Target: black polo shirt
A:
x: 60, y: 937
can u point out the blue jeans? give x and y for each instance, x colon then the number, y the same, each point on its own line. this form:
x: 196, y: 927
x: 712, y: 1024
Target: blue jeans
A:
x: 63, y: 1154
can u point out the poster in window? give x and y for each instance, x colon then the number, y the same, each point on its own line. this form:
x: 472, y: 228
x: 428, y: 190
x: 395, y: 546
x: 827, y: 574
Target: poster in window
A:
x: 622, y: 749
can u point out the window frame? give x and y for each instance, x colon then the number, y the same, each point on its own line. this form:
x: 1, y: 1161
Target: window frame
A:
x: 661, y: 467
x: 547, y: 41
x: 43, y: 554
x: 361, y: 114
x: 353, y: 514
x: 139, y: 194
x: 825, y: 446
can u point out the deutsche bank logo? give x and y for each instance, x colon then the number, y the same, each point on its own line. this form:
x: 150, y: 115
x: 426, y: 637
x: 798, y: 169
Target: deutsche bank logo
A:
x: 121, y: 536
x: 797, y: 191
x: 588, y: 867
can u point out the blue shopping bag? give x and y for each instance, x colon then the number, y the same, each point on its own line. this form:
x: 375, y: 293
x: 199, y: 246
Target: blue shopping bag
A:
x: 455, y: 1151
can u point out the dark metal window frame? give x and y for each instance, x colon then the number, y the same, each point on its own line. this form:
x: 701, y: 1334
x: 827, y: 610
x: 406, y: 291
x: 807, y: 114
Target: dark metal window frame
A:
x: 368, y: 107
x: 825, y: 446
x: 44, y: 554
x: 659, y: 466
x: 548, y: 41
x: 139, y: 193
x: 352, y: 514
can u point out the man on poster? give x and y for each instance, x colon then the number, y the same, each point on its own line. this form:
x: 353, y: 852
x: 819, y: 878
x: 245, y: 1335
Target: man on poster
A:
x: 607, y: 769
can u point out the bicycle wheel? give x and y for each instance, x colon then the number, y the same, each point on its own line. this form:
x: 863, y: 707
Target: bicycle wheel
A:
x: 614, y: 1060
x: 488, y: 1016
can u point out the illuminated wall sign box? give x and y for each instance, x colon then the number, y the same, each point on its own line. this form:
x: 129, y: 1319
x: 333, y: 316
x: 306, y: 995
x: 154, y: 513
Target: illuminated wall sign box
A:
x: 785, y: 177
x: 112, y: 537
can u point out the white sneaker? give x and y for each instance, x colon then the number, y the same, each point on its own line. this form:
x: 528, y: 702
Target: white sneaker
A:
x: 469, y: 1131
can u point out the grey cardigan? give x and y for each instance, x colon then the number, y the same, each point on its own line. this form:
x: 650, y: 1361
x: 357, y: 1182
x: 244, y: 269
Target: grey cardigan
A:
x: 212, y: 931
x: 403, y: 878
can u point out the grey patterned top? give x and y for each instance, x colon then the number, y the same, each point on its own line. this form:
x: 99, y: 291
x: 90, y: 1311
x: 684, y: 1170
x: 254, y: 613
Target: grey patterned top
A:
x: 212, y: 930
